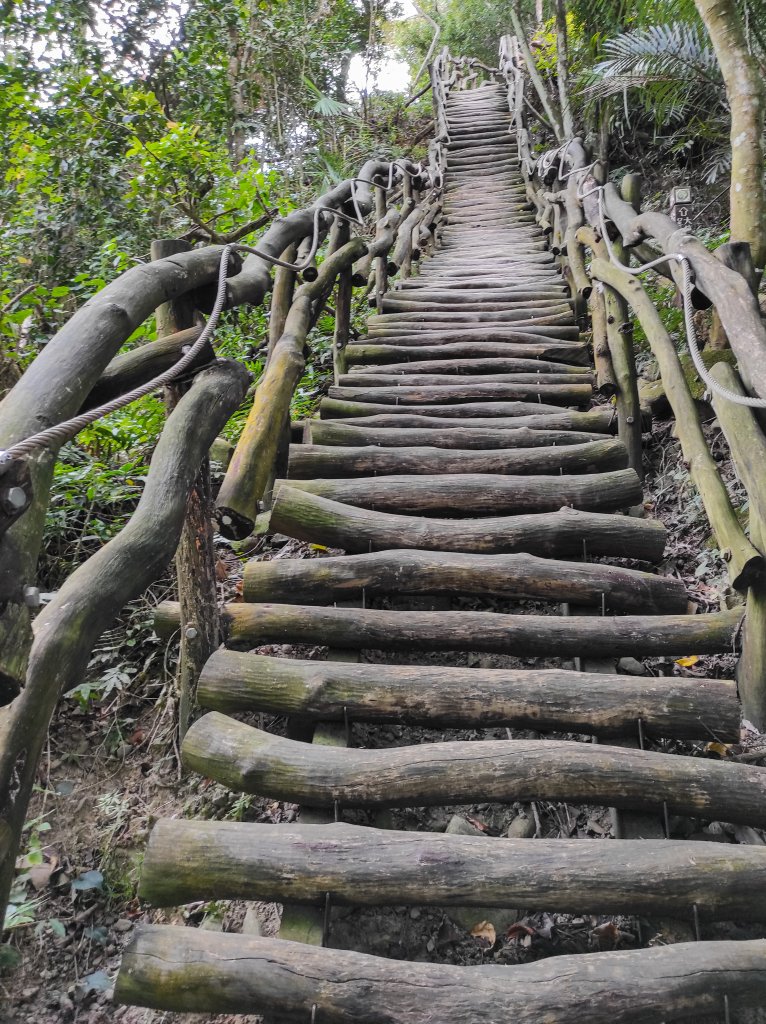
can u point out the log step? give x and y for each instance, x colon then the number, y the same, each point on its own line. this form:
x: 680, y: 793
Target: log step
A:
x: 204, y: 860
x: 471, y: 494
x: 563, y: 534
x: 594, y: 419
x: 200, y: 971
x: 479, y: 353
x: 593, y: 703
x: 484, y: 632
x: 444, y: 434
x: 332, y: 461
x: 518, y: 577
x: 248, y: 760
x: 450, y: 392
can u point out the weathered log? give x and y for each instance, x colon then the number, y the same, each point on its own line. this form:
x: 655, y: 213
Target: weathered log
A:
x: 142, y: 364
x: 563, y: 534
x: 308, y: 461
x: 203, y: 971
x: 467, y: 494
x: 602, y: 704
x: 727, y: 289
x: 365, y: 354
x: 246, y: 759
x: 556, y: 394
x: 203, y: 860
x: 413, y: 378
x: 429, y: 334
x: 488, y: 632
x: 67, y: 628
x: 522, y: 576
x: 744, y: 561
x: 466, y: 366
x: 748, y: 447
x: 254, y: 456
x: 329, y: 432
x: 606, y: 382
x: 526, y: 414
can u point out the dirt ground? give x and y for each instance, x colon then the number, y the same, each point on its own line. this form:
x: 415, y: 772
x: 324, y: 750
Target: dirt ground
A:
x: 111, y: 770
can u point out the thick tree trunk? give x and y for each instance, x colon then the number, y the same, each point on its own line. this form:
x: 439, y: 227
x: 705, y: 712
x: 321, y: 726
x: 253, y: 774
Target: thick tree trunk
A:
x: 602, y: 704
x: 745, y: 92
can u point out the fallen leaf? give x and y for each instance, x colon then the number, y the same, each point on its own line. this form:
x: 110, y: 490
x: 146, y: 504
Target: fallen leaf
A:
x: 485, y: 932
x: 687, y: 662
x: 40, y: 875
x: 519, y: 932
x: 607, y: 935
x: 318, y: 547
x: 719, y: 749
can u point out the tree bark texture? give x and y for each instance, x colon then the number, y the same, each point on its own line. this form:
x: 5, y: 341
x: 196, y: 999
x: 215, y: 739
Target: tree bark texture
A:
x: 202, y: 971
x: 470, y: 494
x: 249, y: 760
x: 602, y: 704
x: 565, y: 533
x: 490, y: 632
x: 517, y: 577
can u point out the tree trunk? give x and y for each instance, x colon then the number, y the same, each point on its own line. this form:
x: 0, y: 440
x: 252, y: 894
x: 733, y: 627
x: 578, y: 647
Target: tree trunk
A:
x: 745, y: 93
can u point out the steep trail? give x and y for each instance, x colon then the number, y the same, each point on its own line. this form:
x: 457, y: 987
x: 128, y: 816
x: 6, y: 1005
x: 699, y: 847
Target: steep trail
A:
x: 462, y: 454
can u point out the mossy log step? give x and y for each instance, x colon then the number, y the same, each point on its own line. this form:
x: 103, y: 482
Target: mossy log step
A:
x: 414, y: 379
x: 594, y: 703
x: 172, y: 968
x: 563, y: 534
x: 487, y: 632
x: 470, y: 367
x: 446, y: 435
x: 511, y: 334
x: 529, y: 414
x: 522, y: 576
x: 307, y: 461
x: 471, y: 494
x: 564, y: 353
x: 204, y: 860
x: 428, y: 394
x: 529, y: 308
x: 249, y: 760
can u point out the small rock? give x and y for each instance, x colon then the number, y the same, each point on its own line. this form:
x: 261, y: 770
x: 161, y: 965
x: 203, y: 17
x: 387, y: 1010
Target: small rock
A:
x: 521, y: 828
x: 430, y: 945
x: 29, y: 993
x: 250, y: 924
x: 458, y: 826
x: 631, y: 667
x: 415, y: 913
x: 66, y: 1005
x: 122, y: 925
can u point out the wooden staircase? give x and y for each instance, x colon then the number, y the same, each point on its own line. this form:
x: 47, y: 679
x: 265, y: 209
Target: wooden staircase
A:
x: 462, y: 455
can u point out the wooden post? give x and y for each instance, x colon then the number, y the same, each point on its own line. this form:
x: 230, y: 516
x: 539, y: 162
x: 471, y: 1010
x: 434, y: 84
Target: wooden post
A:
x: 195, y: 557
x: 281, y: 296
x: 381, y: 271
x: 342, y: 324
x: 748, y: 448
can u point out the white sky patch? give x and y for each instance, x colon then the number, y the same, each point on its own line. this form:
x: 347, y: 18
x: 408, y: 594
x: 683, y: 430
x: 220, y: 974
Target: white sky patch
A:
x: 388, y: 74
